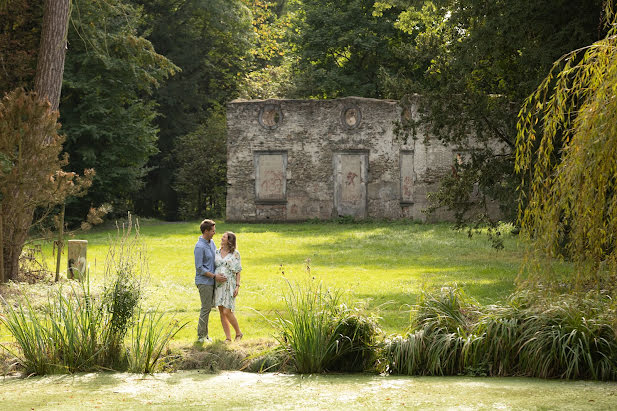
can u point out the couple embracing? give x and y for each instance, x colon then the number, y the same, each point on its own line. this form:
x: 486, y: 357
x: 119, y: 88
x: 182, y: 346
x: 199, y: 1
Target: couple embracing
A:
x: 217, y: 277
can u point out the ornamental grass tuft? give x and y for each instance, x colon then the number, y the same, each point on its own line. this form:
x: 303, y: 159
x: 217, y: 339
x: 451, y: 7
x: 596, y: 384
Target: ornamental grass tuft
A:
x: 319, y: 333
x: 567, y: 337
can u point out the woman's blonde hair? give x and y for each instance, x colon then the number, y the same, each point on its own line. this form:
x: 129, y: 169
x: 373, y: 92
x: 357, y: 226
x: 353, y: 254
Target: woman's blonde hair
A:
x: 231, y: 241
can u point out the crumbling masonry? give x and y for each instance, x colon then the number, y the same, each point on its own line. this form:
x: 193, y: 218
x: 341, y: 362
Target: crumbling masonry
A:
x: 294, y: 160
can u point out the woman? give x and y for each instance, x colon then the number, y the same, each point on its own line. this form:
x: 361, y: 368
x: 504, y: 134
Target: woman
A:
x: 227, y: 263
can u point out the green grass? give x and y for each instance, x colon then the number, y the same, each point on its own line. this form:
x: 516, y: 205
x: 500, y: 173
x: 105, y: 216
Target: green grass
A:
x: 383, y: 264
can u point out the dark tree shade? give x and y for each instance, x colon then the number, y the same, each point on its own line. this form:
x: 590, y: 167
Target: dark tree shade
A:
x: 20, y: 30
x: 209, y: 41
x: 107, y: 110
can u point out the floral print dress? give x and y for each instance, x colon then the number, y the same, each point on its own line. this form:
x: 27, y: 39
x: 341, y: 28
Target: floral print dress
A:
x: 229, y: 267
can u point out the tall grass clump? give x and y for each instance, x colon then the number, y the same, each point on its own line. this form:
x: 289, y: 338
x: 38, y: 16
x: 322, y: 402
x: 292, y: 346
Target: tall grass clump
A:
x: 80, y: 331
x: 549, y: 337
x: 62, y: 336
x: 149, y: 337
x: 441, y: 340
x: 319, y: 333
x: 569, y: 338
x: 126, y: 271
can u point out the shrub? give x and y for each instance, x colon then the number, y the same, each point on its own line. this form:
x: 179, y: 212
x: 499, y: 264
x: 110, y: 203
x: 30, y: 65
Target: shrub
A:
x: 355, y: 335
x: 31, y: 173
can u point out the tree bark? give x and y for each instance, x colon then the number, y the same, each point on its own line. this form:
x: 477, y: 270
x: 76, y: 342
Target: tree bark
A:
x: 50, y: 64
x: 3, y: 279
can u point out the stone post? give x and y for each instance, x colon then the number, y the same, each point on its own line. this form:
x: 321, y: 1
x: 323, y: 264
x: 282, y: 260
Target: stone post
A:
x: 77, y: 259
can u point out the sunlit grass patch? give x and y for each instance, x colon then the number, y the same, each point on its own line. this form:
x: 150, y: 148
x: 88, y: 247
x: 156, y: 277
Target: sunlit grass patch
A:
x: 384, y: 264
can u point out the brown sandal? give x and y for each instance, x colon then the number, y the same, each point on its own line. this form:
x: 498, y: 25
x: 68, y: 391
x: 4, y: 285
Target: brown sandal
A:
x: 227, y: 341
x: 239, y: 337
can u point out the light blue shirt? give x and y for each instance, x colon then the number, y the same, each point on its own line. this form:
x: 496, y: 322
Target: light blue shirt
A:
x: 204, y: 261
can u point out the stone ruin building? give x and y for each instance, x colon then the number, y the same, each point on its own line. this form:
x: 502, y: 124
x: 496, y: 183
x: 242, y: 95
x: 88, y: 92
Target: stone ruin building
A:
x: 294, y: 160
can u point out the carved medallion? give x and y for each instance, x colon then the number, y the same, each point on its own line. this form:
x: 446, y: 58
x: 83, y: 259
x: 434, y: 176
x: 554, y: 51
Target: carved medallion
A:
x: 351, y: 116
x: 270, y: 116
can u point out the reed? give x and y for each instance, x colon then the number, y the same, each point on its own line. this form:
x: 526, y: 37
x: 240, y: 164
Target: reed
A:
x: 320, y: 334
x: 150, y: 335
x: 61, y: 337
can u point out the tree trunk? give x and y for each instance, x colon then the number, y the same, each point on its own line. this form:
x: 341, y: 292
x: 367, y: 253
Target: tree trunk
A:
x: 3, y: 279
x: 50, y: 65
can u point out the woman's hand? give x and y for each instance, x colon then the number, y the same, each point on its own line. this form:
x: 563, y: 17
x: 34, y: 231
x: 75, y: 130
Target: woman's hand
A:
x: 236, y: 290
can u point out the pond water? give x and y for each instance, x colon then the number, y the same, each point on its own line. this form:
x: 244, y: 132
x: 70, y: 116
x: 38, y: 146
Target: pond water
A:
x: 238, y: 390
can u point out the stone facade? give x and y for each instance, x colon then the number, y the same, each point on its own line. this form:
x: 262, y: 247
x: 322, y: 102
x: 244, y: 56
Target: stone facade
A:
x: 294, y: 160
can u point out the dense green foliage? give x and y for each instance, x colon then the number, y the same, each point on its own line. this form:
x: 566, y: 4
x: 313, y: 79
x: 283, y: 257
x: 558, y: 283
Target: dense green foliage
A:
x: 269, y: 74
x: 107, y: 110
x: 341, y: 48
x: 204, y: 149
x: 319, y: 333
x: 209, y: 41
x: 20, y: 29
x: 474, y: 62
x: 567, y: 156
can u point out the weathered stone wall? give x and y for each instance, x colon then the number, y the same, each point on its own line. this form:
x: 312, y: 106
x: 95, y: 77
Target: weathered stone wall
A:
x: 292, y: 160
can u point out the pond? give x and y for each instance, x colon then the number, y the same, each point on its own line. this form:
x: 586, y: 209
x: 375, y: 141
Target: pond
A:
x: 239, y: 390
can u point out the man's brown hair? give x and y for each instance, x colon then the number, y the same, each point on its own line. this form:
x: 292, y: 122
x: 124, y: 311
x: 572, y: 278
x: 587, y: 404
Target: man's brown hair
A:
x: 206, y: 225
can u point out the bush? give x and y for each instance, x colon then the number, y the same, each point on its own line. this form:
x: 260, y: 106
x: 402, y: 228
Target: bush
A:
x: 356, y: 338
x: 31, y: 173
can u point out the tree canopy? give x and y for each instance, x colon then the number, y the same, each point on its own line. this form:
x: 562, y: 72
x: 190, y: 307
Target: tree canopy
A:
x: 474, y: 62
x: 209, y: 41
x: 107, y: 109
x: 146, y: 80
x: 342, y: 48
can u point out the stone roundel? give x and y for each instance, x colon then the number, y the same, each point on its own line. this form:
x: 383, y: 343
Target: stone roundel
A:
x: 351, y: 116
x: 270, y: 116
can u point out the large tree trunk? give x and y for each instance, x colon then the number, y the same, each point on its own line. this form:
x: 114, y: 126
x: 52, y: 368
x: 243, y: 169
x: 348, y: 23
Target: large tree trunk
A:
x: 50, y: 65
x: 3, y: 279
x: 17, y: 214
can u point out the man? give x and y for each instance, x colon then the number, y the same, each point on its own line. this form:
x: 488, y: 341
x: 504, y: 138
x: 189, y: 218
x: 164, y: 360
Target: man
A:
x: 204, y: 275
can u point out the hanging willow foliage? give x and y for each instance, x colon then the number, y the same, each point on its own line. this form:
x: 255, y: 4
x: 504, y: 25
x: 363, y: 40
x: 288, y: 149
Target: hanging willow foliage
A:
x: 567, y: 157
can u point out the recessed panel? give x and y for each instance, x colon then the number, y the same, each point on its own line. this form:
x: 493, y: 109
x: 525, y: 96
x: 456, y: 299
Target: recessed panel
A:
x: 270, y: 181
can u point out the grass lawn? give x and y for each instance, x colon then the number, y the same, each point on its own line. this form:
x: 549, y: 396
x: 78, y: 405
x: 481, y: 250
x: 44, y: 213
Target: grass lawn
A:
x: 382, y: 264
